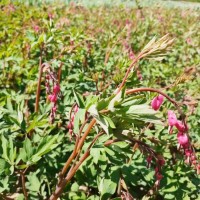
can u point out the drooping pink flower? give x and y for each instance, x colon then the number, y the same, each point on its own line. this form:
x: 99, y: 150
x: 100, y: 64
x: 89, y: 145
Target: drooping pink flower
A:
x: 70, y: 125
x: 157, y: 102
x: 188, y: 152
x: 182, y: 138
x: 56, y: 89
x: 161, y: 162
x: 76, y: 108
x: 149, y: 159
x: 172, y: 120
x: 180, y: 126
x: 54, y: 109
x: 159, y: 176
x: 52, y: 98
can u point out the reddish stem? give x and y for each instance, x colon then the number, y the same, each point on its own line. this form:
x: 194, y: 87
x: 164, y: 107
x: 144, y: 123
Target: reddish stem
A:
x: 131, y: 91
x: 128, y: 72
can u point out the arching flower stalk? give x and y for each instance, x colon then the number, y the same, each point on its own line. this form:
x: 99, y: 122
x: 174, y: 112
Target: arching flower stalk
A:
x: 52, y: 89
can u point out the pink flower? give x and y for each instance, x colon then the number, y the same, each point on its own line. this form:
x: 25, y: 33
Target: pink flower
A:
x: 188, y: 152
x: 189, y: 41
x: 56, y: 89
x: 149, y: 159
x: 54, y: 109
x: 172, y: 120
x: 159, y: 176
x: 76, y: 108
x: 182, y: 139
x: 70, y: 125
x: 36, y: 28
x: 161, y: 162
x: 157, y: 102
x: 180, y: 126
x: 52, y: 98
x: 131, y: 55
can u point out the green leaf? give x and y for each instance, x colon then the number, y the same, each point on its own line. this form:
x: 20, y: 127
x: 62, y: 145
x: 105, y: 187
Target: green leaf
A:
x: 4, y: 184
x: 103, y: 123
x: 79, y: 99
x: 12, y: 152
x: 141, y: 112
x: 47, y: 144
x: 103, y: 103
x: 107, y: 188
x: 5, y: 148
x: 135, y: 100
x: 79, y: 117
x: 115, y: 101
x: 110, y: 122
x: 95, y: 153
x: 90, y: 100
x: 38, y: 121
x: 2, y: 165
x: 33, y: 183
x: 93, y: 111
x: 9, y: 105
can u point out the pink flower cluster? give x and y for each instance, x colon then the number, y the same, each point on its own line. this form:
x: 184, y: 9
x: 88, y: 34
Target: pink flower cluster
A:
x: 53, y: 98
x: 182, y: 135
x: 159, y: 164
x: 53, y: 94
x: 172, y: 121
x: 183, y: 140
x: 70, y: 125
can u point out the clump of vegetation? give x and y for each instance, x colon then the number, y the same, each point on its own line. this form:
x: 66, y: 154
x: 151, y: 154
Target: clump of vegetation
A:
x: 94, y: 106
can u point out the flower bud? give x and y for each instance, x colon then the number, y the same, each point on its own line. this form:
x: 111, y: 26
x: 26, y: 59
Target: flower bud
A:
x: 157, y: 102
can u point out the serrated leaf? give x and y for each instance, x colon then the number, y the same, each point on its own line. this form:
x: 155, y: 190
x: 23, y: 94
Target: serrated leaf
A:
x: 33, y: 183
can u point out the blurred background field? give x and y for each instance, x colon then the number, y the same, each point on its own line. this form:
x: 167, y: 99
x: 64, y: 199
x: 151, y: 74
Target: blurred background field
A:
x: 132, y: 3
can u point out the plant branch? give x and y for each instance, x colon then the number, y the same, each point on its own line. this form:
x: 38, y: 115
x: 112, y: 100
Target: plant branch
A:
x: 131, y: 91
x: 85, y: 155
x: 128, y: 72
x: 73, y: 170
x: 64, y: 170
x: 23, y: 184
x: 87, y: 131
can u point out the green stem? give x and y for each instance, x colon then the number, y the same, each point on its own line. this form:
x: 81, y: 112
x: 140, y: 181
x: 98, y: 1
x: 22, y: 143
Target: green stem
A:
x: 38, y: 86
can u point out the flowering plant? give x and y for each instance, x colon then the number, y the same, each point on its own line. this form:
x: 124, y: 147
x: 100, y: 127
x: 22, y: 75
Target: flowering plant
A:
x: 88, y: 112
